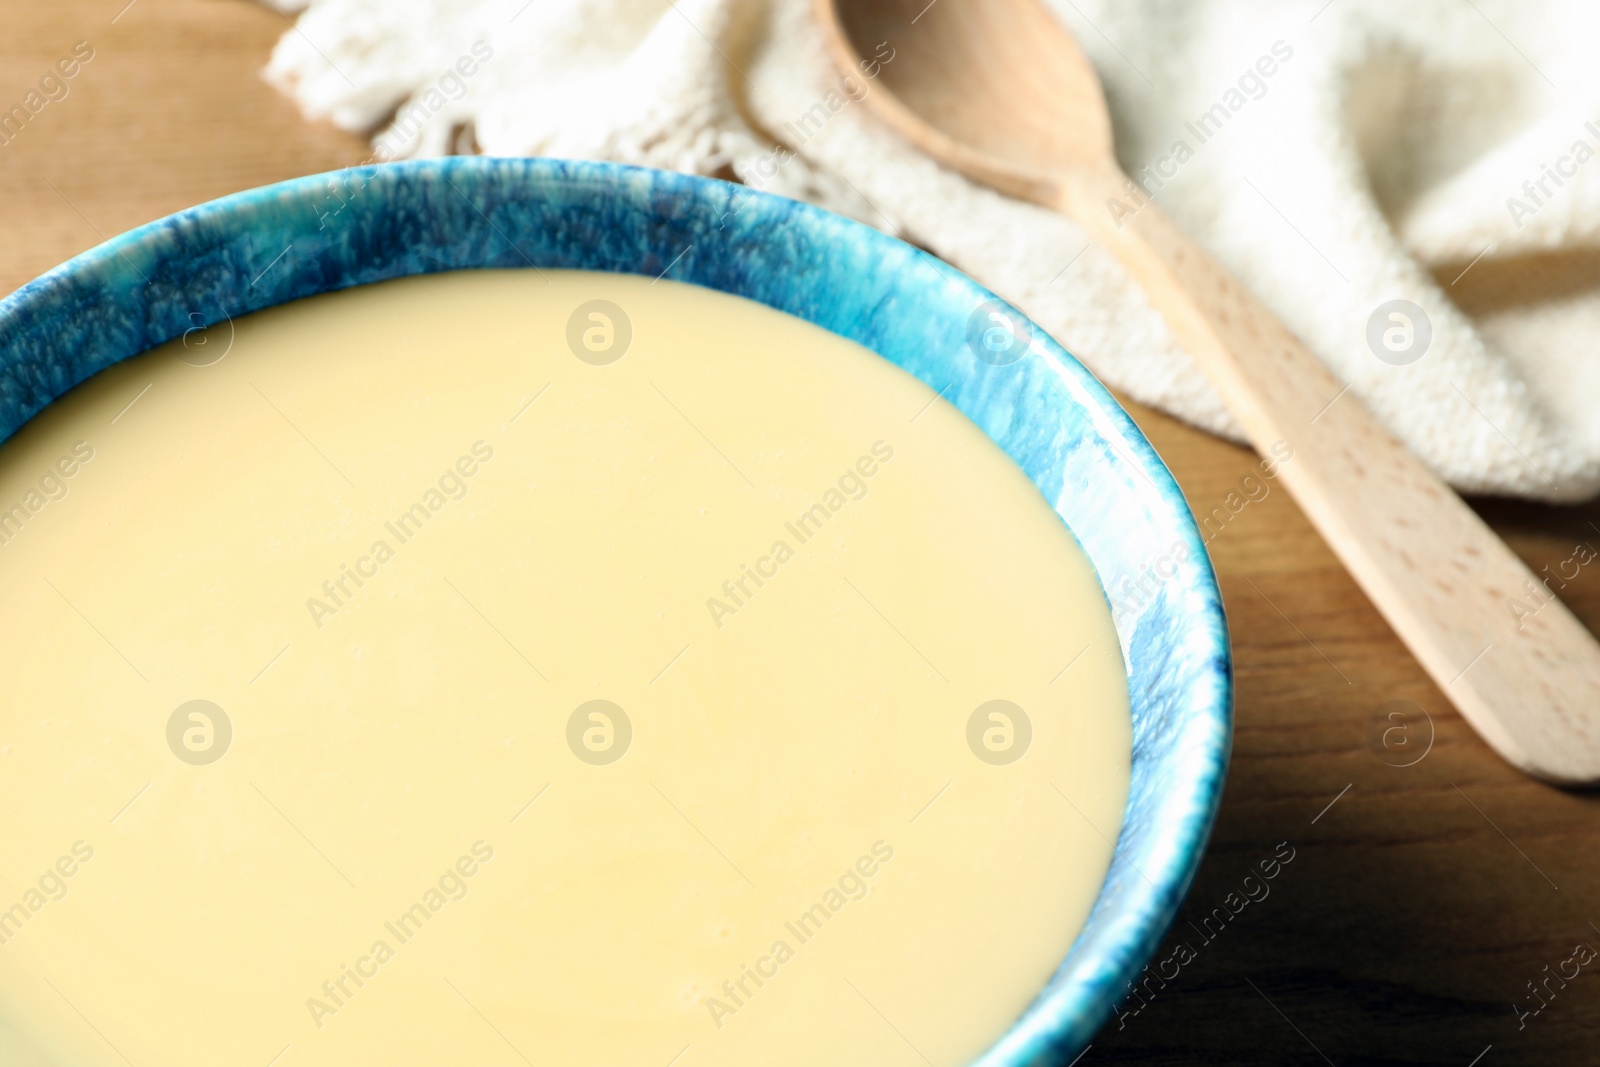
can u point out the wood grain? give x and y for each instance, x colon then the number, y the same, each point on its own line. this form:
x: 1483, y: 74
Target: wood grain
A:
x: 1415, y: 908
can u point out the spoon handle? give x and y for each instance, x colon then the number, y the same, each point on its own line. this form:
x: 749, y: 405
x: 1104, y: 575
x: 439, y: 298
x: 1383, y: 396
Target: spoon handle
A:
x: 1527, y: 680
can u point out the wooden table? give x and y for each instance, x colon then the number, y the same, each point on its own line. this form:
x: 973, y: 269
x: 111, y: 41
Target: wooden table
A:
x: 1421, y: 899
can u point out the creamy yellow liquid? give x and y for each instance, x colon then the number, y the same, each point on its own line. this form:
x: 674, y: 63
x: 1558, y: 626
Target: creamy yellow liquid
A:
x: 397, y: 856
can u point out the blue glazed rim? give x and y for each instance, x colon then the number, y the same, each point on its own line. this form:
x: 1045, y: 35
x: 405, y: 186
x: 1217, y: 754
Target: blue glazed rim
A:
x: 311, y: 235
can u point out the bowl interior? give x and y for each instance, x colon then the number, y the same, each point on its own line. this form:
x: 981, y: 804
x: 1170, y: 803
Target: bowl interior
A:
x: 268, y: 246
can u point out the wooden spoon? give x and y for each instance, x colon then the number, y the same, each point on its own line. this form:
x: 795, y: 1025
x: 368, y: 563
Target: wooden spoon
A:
x: 998, y: 90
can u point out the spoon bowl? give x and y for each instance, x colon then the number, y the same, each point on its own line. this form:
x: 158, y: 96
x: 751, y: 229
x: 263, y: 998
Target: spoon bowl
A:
x: 962, y: 62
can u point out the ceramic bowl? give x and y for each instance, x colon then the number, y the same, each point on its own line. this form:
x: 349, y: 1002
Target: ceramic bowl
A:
x: 267, y: 246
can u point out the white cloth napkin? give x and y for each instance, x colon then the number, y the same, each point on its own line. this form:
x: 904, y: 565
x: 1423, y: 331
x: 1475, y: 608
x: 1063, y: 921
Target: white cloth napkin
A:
x: 1396, y: 151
